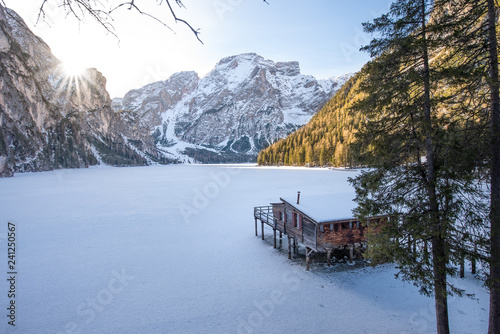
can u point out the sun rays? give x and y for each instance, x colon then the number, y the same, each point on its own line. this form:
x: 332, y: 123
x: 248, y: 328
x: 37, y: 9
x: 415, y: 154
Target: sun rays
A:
x: 74, y: 83
x: 72, y: 68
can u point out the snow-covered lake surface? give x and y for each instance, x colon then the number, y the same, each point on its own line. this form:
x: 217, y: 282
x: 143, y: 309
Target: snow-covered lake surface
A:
x: 172, y: 249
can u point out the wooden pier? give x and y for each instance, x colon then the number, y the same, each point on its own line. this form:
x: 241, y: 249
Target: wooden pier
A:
x: 266, y: 216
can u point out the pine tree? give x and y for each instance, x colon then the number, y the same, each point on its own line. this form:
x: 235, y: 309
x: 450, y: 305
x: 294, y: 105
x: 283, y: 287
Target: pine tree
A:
x: 494, y: 320
x: 472, y: 31
x: 322, y: 156
x: 422, y: 175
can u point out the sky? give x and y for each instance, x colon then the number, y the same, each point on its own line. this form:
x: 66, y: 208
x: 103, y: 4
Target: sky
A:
x: 324, y: 36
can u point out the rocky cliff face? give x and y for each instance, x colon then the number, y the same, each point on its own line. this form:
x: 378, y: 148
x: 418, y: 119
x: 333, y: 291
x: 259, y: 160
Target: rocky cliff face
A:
x: 242, y: 105
x: 49, y: 120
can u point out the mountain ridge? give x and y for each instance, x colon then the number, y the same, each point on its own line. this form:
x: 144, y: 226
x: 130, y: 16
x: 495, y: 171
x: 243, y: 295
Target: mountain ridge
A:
x: 245, y: 103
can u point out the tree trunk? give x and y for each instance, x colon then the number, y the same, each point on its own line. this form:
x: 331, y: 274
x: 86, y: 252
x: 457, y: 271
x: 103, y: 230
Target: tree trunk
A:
x: 494, y: 320
x: 440, y: 294
x: 439, y: 251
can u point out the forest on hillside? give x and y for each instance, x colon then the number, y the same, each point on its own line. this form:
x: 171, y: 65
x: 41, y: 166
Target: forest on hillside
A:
x: 326, y: 139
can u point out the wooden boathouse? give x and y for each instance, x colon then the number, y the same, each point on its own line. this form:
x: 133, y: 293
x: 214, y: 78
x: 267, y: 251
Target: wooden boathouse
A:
x: 320, y: 223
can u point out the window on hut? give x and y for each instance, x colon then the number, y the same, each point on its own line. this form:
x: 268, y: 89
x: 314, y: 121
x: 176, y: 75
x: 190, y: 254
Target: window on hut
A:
x: 322, y: 228
x: 295, y: 219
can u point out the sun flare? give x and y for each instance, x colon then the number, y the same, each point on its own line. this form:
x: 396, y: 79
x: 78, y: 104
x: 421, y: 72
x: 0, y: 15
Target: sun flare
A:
x: 73, y: 69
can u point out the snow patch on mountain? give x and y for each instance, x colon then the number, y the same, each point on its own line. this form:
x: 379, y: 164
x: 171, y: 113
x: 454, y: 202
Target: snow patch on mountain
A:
x: 242, y: 105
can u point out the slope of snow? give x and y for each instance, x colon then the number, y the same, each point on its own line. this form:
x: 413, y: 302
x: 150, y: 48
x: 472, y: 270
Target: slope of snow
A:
x: 325, y: 207
x: 172, y: 249
x: 235, y: 70
x: 296, y: 117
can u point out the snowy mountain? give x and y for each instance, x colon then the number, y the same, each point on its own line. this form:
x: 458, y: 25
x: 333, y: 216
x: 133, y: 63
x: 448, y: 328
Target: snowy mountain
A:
x: 51, y: 120
x: 242, y: 105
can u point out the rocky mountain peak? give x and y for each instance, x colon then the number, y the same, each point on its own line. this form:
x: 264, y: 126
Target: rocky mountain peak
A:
x: 238, y: 108
x: 289, y: 68
x: 29, y: 42
x: 233, y: 61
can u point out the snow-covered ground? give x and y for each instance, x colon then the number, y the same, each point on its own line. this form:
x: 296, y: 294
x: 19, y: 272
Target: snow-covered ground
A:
x: 171, y: 249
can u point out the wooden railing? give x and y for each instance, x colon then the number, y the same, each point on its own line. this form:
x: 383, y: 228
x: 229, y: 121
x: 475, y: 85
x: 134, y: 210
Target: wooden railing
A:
x: 264, y: 214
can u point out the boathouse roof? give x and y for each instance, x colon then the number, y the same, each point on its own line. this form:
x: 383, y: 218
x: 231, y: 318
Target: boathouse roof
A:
x: 324, y: 208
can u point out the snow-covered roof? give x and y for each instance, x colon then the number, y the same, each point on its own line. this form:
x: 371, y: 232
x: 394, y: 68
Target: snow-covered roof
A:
x: 324, y: 208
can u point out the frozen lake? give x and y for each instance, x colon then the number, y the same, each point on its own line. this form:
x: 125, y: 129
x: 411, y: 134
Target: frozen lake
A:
x: 172, y: 249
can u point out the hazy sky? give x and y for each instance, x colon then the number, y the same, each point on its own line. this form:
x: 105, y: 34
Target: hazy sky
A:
x: 323, y: 35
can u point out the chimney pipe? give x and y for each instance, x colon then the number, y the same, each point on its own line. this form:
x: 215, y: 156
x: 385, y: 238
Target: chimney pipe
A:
x: 298, y: 197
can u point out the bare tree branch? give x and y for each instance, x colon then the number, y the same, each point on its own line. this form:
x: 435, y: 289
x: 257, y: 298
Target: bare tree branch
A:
x: 132, y: 5
x: 195, y: 31
x: 96, y: 10
x: 104, y: 17
x: 79, y: 8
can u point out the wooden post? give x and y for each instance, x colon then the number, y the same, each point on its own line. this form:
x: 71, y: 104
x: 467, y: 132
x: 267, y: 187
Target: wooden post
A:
x: 294, y: 247
x: 274, y: 230
x: 256, y: 234
x: 351, y: 253
x: 462, y: 266
x: 262, y: 228
x: 307, y: 258
x: 473, y: 261
x: 289, y: 248
x: 328, y: 256
x: 281, y: 235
